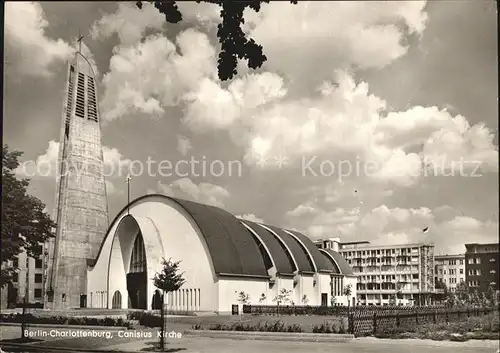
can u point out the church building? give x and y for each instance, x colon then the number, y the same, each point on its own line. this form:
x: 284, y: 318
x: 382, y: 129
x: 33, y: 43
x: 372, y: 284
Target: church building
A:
x: 100, y: 265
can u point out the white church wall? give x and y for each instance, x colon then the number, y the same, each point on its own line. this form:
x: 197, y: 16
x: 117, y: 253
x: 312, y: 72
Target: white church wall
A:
x: 324, y: 287
x: 344, y: 300
x: 97, y: 276
x: 229, y: 289
x: 169, y: 232
x: 181, y: 241
x: 306, y: 287
x: 281, y: 283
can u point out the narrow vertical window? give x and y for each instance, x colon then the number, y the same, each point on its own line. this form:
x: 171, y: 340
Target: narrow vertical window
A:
x: 91, y: 102
x: 80, y: 96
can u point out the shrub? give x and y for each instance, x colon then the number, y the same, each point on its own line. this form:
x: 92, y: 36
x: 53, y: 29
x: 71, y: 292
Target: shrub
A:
x: 61, y: 320
x: 277, y: 326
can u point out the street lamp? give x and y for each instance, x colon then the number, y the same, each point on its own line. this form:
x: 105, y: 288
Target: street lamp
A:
x: 129, y: 179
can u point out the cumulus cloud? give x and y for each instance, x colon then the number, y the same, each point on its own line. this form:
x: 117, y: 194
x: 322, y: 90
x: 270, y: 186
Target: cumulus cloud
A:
x: 329, y: 35
x: 150, y: 75
x: 268, y: 114
x: 205, y: 193
x: 383, y: 225
x: 29, y: 50
x: 128, y: 22
x: 250, y: 217
x: 47, y: 164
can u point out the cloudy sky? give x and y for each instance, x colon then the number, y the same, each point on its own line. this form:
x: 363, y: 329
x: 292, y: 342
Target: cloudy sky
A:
x: 369, y: 121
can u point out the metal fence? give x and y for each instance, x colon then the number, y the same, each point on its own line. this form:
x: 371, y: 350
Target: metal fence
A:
x: 367, y: 323
x: 330, y: 310
x: 367, y: 320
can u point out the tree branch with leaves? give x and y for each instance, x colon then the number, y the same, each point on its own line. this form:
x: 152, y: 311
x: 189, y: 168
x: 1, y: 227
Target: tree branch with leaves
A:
x: 25, y: 224
x: 234, y: 43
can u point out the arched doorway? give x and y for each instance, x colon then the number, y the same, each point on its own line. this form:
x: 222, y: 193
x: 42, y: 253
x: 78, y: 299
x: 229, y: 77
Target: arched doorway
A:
x: 156, y: 300
x: 117, y: 300
x: 137, y: 276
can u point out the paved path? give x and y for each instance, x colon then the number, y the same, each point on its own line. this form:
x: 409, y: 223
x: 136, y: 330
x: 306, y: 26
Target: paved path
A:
x: 211, y: 345
x: 188, y: 344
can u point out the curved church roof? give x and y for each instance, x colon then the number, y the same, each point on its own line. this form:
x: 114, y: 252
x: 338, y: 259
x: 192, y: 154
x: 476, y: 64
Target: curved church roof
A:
x: 240, y: 251
x: 339, y: 261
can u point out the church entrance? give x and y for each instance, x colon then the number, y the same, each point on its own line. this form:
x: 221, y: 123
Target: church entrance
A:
x: 137, y: 279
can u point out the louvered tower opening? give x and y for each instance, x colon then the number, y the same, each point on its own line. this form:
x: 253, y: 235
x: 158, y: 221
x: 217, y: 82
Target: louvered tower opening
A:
x: 69, y: 102
x: 91, y: 103
x: 80, y: 96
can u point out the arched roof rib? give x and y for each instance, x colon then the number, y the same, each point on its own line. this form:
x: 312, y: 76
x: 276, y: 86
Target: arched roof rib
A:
x: 236, y: 251
x: 322, y: 264
x: 303, y: 262
x: 284, y: 264
x: 331, y: 262
x: 231, y: 245
x: 341, y: 263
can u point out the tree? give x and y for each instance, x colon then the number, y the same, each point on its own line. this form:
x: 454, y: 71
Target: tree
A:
x: 282, y: 297
x: 243, y: 298
x: 333, y: 300
x: 262, y: 298
x: 234, y: 44
x: 443, y: 293
x: 463, y: 294
x: 25, y: 225
x: 167, y: 280
x: 393, y: 300
x: 347, y: 291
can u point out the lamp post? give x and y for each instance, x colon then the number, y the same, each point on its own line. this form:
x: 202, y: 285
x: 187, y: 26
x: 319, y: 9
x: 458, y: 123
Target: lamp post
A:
x: 128, y: 193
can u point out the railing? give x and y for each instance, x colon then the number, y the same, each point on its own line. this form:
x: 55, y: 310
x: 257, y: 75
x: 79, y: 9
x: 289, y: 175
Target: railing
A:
x: 362, y: 323
x: 367, y: 320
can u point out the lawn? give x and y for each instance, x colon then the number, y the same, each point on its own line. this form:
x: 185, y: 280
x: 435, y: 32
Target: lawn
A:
x: 306, y: 322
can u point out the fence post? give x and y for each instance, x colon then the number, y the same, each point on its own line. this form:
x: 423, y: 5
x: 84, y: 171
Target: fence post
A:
x: 434, y: 316
x: 398, y: 323
x: 351, y: 323
x: 374, y: 323
x: 416, y: 317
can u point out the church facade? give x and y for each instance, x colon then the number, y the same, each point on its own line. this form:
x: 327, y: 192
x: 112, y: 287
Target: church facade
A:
x: 220, y: 255
x: 97, y: 264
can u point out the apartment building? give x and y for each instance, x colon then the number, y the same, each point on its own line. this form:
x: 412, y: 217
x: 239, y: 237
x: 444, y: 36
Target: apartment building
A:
x: 450, y: 269
x: 481, y: 266
x: 28, y: 281
x: 395, y: 274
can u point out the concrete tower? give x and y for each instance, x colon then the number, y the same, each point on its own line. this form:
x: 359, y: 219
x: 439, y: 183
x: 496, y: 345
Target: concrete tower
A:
x: 81, y: 210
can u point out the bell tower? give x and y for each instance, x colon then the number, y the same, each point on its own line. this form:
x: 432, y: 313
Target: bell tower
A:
x: 81, y: 209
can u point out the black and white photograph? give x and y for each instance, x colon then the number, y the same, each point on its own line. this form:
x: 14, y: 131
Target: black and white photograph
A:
x: 250, y: 176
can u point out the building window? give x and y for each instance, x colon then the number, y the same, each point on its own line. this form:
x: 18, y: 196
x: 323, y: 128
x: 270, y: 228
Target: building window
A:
x: 471, y: 261
x: 471, y: 272
x: 453, y: 262
x: 478, y: 272
x: 38, y: 278
x: 493, y: 271
x: 461, y: 262
x: 38, y: 263
x: 461, y: 271
x: 38, y: 293
x: 492, y: 260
